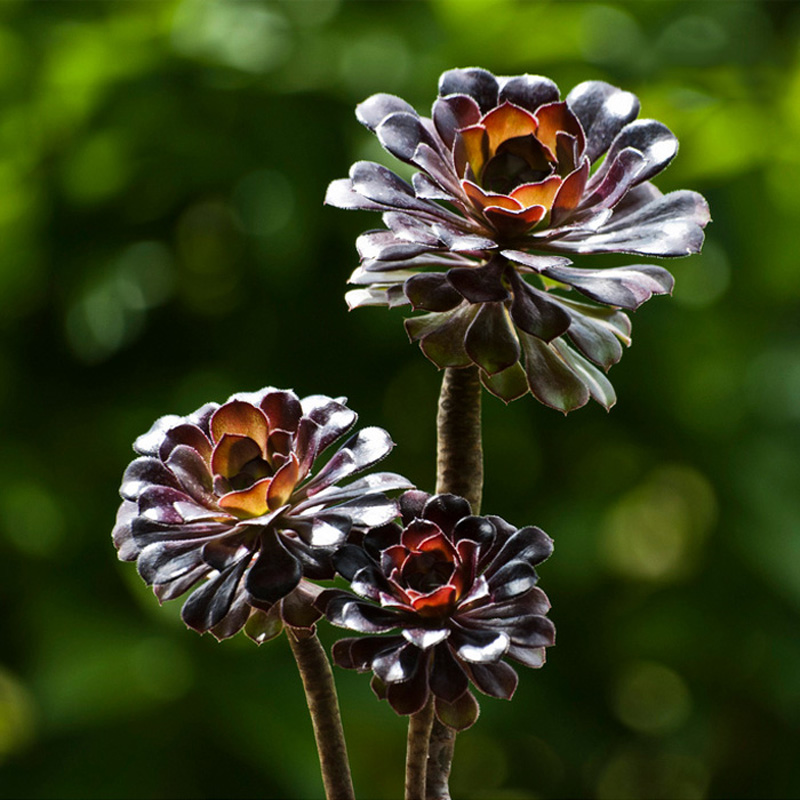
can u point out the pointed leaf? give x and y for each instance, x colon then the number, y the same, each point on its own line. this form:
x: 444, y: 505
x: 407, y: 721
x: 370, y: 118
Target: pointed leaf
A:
x: 264, y: 625
x: 431, y: 291
x: 599, y: 386
x: 551, y: 381
x: 448, y: 680
x: 207, y: 605
x: 491, y: 341
x: 508, y: 384
x: 495, y: 680
x: 275, y: 573
x: 533, y: 312
x: 459, y: 715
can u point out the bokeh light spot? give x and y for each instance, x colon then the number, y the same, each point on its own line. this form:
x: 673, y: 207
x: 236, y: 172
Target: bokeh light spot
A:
x: 246, y: 36
x: 655, y: 531
x: 481, y: 762
x: 375, y: 61
x: 772, y: 382
x: 651, y: 698
x: 264, y: 201
x: 31, y: 519
x: 692, y: 39
x: 631, y: 775
x: 97, y: 169
x: 161, y: 668
x: 16, y: 715
x: 610, y: 35
x: 702, y: 282
x: 209, y: 242
x: 110, y: 312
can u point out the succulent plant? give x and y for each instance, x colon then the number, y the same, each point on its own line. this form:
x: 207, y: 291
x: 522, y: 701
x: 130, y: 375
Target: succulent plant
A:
x: 511, y: 183
x: 228, y: 498
x: 455, y: 593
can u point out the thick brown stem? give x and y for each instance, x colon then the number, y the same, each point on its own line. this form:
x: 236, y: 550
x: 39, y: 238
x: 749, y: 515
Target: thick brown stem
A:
x: 459, y: 470
x: 419, y: 732
x: 440, y: 757
x: 459, y: 452
x: 315, y: 671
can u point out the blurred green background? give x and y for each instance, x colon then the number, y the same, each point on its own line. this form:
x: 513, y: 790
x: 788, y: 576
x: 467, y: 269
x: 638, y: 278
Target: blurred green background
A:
x: 163, y: 242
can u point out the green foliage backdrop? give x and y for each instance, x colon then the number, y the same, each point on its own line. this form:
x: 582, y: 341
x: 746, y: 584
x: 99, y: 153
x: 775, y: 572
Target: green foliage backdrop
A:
x: 163, y: 242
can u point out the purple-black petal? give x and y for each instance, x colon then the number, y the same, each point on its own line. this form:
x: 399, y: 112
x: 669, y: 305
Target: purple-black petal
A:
x: 275, y: 573
x: 208, y: 605
x: 431, y: 291
x: 349, y: 559
x: 512, y: 579
x: 410, y: 696
x: 375, y: 109
x: 398, y: 664
x: 333, y: 417
x: 383, y: 245
x: 528, y: 91
x: 447, y: 679
x: 495, y: 680
x: 144, y: 472
x: 348, y: 611
x: 627, y: 287
x: 535, y: 313
x: 163, y: 562
x: 478, y: 83
x: 452, y: 113
x: 491, y: 341
x: 529, y: 544
x: 377, y: 183
x: 479, y: 646
x: 654, y: 140
x: 341, y: 194
x: 401, y: 133
x: 361, y: 450
x: 122, y: 534
x: 445, y: 510
x: 603, y: 110
x: 480, y: 284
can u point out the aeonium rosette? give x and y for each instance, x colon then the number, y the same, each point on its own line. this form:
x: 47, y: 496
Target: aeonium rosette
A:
x: 510, y: 184
x: 449, y: 595
x: 228, y: 497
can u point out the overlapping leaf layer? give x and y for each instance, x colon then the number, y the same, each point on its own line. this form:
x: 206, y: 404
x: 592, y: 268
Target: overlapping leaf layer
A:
x: 454, y: 595
x: 227, y: 497
x: 512, y: 181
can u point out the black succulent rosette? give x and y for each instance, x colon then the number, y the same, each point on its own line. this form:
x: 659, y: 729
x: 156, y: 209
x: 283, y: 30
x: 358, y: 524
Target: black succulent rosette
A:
x: 227, y: 497
x: 450, y: 595
x: 511, y: 182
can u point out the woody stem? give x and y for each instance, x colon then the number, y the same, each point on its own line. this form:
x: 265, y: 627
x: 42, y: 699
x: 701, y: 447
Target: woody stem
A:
x: 323, y: 705
x: 459, y: 470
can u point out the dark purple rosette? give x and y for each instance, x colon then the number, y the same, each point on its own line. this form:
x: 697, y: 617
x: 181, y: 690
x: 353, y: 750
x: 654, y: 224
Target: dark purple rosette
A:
x: 227, y: 497
x: 450, y: 595
x: 513, y: 181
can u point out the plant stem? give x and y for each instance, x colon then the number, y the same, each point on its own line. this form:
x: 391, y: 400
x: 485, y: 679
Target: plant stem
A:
x: 419, y: 732
x: 459, y: 470
x: 440, y: 758
x: 459, y: 452
x: 323, y: 705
